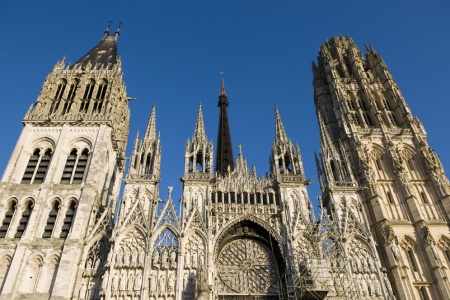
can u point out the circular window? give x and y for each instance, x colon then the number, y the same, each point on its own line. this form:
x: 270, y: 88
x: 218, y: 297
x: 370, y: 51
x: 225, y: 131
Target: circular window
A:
x: 247, y: 266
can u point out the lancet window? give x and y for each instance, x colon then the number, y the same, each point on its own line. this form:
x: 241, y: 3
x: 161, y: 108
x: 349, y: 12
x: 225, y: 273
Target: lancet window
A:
x: 70, y: 96
x: 51, y: 220
x: 8, y: 217
x: 68, y: 219
x: 37, y: 166
x: 89, y: 89
x: 23, y: 222
x: 101, y: 91
x: 75, y: 167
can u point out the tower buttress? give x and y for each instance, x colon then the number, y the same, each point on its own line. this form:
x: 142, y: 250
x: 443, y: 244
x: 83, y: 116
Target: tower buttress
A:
x: 367, y: 125
x: 64, y: 175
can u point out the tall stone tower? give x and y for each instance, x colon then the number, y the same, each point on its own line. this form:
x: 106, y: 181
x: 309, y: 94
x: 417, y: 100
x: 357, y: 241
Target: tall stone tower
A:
x: 377, y: 167
x: 59, y: 190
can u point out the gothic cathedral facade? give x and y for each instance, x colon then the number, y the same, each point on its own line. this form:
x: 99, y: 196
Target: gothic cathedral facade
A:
x: 382, y: 231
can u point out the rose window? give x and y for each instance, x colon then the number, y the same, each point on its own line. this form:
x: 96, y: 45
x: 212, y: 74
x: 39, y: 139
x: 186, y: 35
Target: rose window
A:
x: 247, y: 266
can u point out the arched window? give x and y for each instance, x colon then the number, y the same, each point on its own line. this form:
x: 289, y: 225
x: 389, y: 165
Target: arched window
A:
x: 67, y: 224
x: 81, y: 166
x: 72, y: 90
x: 362, y: 104
x: 350, y: 104
x: 334, y: 171
x: 60, y: 89
x: 89, y: 90
x: 75, y: 167
x: 379, y: 165
x: 424, y: 198
x: 51, y: 220
x: 392, y: 119
x: 412, y: 260
x: 24, y: 219
x: 70, y: 96
x: 101, y: 91
x: 8, y: 217
x: 390, y: 198
x: 37, y: 166
x: 367, y: 119
x: 356, y: 119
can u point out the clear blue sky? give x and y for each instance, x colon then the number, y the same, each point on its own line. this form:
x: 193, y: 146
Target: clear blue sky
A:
x: 173, y: 53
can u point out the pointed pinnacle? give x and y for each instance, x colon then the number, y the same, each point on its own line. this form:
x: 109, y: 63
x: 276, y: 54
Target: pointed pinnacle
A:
x: 222, y: 90
x: 280, y: 134
x: 199, y: 132
x: 150, y: 132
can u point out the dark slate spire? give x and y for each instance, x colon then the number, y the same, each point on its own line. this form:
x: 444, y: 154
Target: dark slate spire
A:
x: 104, y: 54
x: 224, y: 155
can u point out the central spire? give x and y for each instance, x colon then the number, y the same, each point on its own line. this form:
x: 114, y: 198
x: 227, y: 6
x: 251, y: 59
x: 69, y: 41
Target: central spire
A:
x: 224, y: 155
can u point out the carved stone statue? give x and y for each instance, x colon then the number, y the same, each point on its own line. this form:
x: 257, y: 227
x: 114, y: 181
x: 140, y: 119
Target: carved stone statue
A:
x: 194, y: 260
x: 377, y: 287
x: 123, y: 282
x: 82, y: 292
x: 153, y: 282
x: 201, y: 259
x: 395, y: 250
x: 105, y: 278
x: 435, y: 252
x: 173, y: 260
x: 187, y: 257
x: 371, y: 264
x: 185, y: 280
x: 162, y: 284
x: 119, y: 257
x: 170, y: 283
x: 165, y: 260
x: 115, y: 282
x: 364, y: 287
x: 130, y: 282
x: 126, y: 258
x: 137, y: 282
x: 155, y: 260
x: 387, y: 283
x: 365, y: 267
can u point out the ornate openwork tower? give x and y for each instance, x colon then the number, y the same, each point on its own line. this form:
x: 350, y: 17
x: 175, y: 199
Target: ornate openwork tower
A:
x: 60, y: 185
x: 377, y: 168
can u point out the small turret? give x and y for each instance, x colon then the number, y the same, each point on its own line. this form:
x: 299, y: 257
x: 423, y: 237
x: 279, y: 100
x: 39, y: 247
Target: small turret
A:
x: 199, y: 152
x: 286, y: 158
x: 146, y: 156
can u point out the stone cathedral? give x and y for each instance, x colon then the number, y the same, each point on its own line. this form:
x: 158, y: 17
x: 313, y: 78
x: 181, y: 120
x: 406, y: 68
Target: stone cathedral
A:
x: 382, y: 231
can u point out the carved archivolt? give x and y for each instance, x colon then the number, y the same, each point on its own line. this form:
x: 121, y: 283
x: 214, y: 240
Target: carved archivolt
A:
x: 273, y: 234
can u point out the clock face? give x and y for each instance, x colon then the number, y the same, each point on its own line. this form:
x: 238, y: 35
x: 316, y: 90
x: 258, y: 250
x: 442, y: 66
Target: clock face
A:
x: 101, y: 51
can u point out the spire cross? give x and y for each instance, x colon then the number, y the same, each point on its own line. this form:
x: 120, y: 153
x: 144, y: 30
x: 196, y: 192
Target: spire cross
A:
x: 240, y: 148
x: 110, y: 22
x: 120, y: 23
